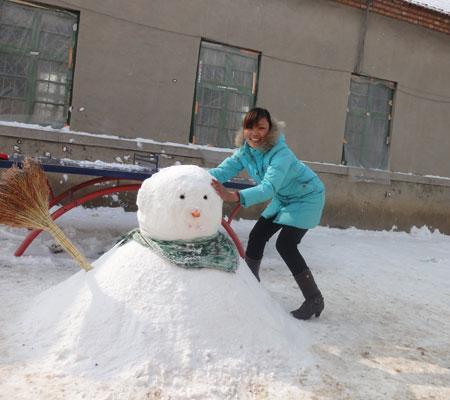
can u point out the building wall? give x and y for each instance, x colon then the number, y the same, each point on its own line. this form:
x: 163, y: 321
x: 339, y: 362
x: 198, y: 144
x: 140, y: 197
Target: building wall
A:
x: 397, y: 204
x: 125, y: 72
x: 124, y: 76
x: 135, y: 77
x: 370, y: 201
x: 417, y: 59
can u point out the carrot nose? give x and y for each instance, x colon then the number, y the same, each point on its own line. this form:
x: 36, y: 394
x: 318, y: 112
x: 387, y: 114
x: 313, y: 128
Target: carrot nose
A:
x: 195, y: 213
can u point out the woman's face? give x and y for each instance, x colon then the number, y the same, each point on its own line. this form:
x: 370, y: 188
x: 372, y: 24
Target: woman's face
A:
x: 255, y: 136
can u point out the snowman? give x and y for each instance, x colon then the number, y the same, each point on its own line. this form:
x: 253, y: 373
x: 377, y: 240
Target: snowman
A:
x: 179, y: 215
x: 169, y: 306
x: 178, y: 203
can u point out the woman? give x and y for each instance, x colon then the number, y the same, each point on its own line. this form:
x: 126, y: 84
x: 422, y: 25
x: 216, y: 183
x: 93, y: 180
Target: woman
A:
x: 297, y: 198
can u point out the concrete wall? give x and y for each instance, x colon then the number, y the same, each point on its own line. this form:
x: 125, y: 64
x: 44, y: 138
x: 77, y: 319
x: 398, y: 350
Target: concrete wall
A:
x: 135, y: 77
x: 369, y: 200
x: 397, y: 204
x: 417, y: 59
x: 124, y: 76
x: 126, y: 71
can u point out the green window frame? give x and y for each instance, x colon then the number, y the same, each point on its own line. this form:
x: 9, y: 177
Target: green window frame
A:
x: 368, y: 123
x: 226, y: 86
x: 37, y: 54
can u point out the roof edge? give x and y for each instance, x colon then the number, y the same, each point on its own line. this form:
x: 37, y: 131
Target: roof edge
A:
x: 402, y: 10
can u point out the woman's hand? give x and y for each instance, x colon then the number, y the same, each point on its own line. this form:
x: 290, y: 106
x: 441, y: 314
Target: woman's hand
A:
x: 224, y: 193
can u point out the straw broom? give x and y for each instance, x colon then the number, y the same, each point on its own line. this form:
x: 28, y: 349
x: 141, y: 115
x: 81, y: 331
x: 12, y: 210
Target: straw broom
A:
x: 24, y: 204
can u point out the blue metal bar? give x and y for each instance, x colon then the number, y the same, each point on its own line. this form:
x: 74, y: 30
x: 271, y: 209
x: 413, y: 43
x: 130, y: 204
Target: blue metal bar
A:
x: 84, y: 170
x: 64, y: 167
x: 237, y: 185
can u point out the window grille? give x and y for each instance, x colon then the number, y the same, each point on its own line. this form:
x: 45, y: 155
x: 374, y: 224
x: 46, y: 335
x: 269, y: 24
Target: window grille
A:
x: 367, y: 128
x: 225, y: 91
x: 37, y: 47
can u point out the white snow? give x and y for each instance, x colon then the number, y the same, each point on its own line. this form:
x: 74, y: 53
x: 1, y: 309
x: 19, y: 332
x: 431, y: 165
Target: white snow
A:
x: 384, y: 333
x: 168, y: 199
x: 167, y: 327
x: 138, y: 141
x: 437, y: 177
x: 438, y: 5
x: 99, y: 164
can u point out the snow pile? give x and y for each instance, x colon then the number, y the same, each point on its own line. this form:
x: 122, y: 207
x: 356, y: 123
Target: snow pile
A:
x: 147, y: 320
x: 384, y: 333
x: 138, y: 319
x: 423, y: 232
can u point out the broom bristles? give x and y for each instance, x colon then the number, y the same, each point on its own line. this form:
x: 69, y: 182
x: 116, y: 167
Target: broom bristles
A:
x: 24, y: 196
x: 24, y: 204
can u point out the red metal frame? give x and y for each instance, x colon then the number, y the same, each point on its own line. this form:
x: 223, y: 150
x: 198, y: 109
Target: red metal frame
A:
x: 226, y: 222
x: 69, y: 192
x: 77, y: 202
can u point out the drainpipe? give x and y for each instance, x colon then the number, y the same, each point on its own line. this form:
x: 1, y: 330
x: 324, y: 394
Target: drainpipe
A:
x: 362, y: 39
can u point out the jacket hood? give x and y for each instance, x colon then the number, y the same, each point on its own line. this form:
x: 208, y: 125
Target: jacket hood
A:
x: 271, y: 138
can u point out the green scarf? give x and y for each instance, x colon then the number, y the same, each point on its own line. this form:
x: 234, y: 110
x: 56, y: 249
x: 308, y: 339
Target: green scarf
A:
x: 217, y: 251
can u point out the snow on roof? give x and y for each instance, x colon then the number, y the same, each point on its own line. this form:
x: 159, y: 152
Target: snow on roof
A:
x: 442, y: 6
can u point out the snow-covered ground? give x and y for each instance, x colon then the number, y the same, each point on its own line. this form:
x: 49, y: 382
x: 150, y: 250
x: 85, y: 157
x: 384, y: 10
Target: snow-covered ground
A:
x: 384, y: 334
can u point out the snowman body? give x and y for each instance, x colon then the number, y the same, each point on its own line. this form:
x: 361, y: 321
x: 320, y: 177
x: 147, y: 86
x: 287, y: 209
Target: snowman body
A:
x: 139, y: 317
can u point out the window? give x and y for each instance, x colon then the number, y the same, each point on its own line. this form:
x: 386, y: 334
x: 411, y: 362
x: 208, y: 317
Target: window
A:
x: 367, y: 128
x: 225, y: 91
x: 36, y: 63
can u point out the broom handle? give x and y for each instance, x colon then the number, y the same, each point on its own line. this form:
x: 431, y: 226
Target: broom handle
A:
x: 64, y: 241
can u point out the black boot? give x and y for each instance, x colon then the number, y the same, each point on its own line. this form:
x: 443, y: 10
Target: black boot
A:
x: 313, y: 304
x: 254, y: 266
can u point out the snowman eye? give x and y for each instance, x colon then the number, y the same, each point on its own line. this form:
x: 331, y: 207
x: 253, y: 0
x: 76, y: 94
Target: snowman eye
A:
x: 181, y: 196
x: 205, y: 197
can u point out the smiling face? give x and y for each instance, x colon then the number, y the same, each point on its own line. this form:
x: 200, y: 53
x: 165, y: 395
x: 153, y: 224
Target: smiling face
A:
x: 256, y: 134
x: 179, y: 203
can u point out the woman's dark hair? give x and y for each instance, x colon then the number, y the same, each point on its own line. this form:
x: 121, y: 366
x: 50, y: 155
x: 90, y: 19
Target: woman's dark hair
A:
x: 254, y: 115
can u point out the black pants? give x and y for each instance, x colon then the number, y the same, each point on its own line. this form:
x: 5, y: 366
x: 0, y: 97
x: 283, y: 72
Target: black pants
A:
x: 287, y: 242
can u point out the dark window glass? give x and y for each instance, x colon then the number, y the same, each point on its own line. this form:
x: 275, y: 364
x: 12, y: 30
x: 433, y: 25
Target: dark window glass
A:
x: 367, y: 128
x: 36, y: 63
x: 225, y: 91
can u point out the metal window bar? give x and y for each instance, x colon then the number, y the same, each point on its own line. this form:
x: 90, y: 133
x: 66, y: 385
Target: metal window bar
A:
x: 367, y: 130
x: 36, y: 51
x: 148, y: 160
x: 225, y: 91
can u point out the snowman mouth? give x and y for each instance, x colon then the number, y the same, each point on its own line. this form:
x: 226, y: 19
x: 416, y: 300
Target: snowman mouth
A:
x: 196, y: 226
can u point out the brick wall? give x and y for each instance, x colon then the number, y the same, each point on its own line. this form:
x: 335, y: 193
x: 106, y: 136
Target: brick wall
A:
x: 405, y: 11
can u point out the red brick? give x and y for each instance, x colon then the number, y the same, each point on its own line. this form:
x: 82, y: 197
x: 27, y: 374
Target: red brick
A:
x: 404, y: 11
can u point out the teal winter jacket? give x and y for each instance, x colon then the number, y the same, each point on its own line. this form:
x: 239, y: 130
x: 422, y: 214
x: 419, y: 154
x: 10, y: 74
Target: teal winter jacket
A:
x: 297, y: 193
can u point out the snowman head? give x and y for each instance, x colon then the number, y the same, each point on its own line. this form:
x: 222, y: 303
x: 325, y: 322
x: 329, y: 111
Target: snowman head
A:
x: 179, y: 203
